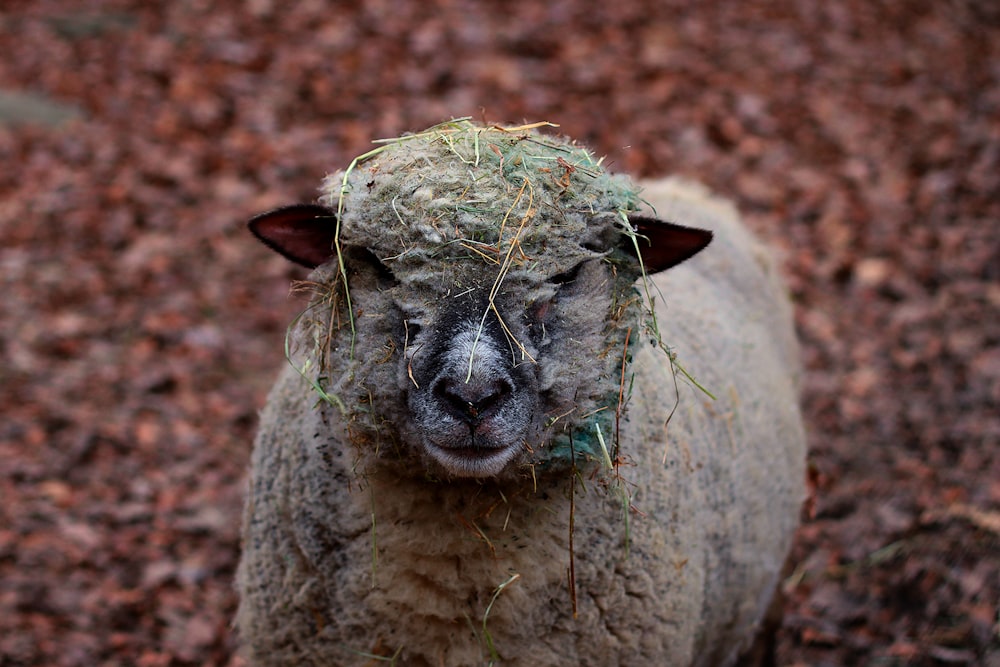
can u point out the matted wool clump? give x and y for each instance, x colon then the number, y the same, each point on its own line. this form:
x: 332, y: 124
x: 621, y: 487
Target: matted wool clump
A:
x: 492, y: 215
x: 460, y: 189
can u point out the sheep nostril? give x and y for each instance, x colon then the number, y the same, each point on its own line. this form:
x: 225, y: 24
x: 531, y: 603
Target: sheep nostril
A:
x: 471, y: 401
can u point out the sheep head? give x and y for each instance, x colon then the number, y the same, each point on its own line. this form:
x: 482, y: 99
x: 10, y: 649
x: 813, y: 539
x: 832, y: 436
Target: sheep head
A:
x: 475, y: 298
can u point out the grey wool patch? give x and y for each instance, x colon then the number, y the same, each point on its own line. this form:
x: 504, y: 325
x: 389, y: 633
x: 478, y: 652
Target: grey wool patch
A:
x: 462, y: 190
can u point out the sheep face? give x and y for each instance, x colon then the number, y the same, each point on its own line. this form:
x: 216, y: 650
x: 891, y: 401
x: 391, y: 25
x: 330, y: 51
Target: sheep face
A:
x: 489, y: 380
x: 475, y: 299
x: 472, y: 399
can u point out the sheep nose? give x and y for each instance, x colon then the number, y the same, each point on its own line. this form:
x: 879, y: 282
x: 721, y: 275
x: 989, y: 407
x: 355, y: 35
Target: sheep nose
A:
x: 474, y: 400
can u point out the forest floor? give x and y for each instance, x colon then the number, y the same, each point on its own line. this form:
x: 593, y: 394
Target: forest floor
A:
x: 140, y: 325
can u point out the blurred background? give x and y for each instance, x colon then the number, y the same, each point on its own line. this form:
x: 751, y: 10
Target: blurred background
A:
x: 140, y: 325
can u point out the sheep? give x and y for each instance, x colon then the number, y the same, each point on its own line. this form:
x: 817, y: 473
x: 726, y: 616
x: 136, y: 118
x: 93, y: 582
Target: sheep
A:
x: 501, y: 439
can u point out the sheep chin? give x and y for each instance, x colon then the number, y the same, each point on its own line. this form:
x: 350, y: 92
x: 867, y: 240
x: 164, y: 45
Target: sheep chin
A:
x: 472, y: 461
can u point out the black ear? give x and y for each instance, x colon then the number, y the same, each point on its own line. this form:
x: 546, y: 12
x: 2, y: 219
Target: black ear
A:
x: 668, y: 244
x: 303, y: 233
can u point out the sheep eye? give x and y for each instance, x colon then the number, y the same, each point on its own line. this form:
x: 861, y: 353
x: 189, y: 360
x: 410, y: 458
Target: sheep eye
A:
x: 412, y: 329
x: 365, y: 257
x: 566, y: 277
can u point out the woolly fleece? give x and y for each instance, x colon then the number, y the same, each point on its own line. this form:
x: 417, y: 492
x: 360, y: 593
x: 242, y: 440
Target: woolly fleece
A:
x: 672, y: 558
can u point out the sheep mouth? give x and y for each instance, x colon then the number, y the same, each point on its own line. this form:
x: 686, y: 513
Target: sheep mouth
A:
x: 470, y: 459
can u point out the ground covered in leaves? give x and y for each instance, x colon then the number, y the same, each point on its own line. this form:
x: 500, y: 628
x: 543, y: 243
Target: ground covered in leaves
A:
x: 140, y: 325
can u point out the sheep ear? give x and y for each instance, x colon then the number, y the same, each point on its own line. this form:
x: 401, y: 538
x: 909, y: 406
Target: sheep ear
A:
x: 668, y: 244
x: 303, y: 233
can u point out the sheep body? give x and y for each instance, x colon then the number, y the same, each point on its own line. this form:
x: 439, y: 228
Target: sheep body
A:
x: 671, y: 557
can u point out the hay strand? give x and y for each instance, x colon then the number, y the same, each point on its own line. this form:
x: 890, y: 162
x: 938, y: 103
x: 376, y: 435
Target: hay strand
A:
x: 490, y: 646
